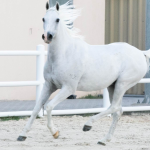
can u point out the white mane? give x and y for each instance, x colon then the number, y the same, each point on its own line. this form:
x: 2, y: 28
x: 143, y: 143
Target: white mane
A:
x: 68, y: 14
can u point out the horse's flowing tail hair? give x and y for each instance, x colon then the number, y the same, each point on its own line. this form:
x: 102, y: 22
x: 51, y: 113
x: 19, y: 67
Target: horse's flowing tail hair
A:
x: 147, y: 54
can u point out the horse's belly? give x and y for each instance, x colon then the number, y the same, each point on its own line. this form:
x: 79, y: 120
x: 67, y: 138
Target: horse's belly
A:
x: 89, y: 86
x: 96, y: 81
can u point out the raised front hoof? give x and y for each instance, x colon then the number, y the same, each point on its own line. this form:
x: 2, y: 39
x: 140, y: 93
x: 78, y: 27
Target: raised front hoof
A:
x: 87, y: 128
x: 101, y: 143
x: 21, y: 138
x: 56, y: 135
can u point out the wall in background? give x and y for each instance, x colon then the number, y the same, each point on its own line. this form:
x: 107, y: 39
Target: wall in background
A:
x: 125, y: 22
x: 92, y: 21
x: 21, y: 28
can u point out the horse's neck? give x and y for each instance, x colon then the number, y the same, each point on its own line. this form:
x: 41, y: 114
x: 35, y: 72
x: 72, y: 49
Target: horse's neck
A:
x: 57, y: 48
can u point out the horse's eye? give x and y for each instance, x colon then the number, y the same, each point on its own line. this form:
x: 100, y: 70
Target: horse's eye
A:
x: 57, y: 20
x: 43, y: 19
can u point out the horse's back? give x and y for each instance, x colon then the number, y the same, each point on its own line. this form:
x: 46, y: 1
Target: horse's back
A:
x: 124, y: 54
x: 123, y: 51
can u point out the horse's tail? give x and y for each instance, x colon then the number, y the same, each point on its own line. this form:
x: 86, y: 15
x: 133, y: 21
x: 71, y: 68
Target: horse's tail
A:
x: 147, y: 55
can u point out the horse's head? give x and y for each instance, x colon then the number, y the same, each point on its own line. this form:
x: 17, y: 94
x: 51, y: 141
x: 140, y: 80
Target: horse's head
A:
x: 50, y: 23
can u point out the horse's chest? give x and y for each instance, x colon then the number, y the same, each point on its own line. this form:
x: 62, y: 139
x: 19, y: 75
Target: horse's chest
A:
x: 57, y: 79
x: 59, y: 76
x: 62, y: 75
x: 63, y: 72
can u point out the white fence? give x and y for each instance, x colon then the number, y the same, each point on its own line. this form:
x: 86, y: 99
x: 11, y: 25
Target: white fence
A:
x: 40, y: 60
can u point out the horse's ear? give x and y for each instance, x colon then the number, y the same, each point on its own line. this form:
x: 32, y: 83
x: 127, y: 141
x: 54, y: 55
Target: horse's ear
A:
x: 57, y: 6
x: 47, y: 6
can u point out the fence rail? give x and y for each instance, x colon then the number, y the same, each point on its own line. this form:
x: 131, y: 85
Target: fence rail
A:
x: 40, y: 60
x: 19, y: 83
x: 19, y: 53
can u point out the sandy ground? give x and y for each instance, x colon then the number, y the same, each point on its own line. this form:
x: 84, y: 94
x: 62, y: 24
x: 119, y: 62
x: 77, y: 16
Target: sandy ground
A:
x: 132, y: 133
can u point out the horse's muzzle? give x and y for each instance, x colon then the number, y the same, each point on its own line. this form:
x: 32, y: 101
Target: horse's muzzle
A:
x: 47, y: 38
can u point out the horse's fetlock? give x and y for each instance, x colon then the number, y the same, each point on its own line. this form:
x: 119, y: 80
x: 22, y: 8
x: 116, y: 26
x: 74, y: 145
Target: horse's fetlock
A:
x: 120, y: 112
x: 108, y: 140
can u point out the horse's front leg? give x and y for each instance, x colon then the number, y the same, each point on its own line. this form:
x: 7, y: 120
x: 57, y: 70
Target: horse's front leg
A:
x: 47, y: 90
x: 62, y: 95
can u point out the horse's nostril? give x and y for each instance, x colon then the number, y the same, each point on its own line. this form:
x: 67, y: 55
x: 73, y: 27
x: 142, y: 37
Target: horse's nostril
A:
x: 43, y: 36
x: 50, y: 36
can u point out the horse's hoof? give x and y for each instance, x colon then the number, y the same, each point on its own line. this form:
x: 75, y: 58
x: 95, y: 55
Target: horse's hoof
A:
x: 21, y: 138
x: 56, y: 135
x: 101, y: 143
x: 86, y: 128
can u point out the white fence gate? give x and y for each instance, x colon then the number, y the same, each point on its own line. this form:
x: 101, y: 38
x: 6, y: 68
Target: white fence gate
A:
x: 40, y: 60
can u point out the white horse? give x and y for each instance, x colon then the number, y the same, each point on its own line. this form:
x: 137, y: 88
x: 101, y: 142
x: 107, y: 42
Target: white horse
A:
x: 72, y: 65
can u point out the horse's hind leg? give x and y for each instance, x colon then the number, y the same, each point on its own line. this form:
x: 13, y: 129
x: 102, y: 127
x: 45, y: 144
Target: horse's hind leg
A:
x: 111, y: 91
x: 116, y: 108
x: 107, y: 138
x: 88, y: 126
x: 116, y: 117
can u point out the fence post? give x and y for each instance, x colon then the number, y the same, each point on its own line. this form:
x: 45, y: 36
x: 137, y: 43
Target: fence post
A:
x: 40, y: 61
x: 106, y: 102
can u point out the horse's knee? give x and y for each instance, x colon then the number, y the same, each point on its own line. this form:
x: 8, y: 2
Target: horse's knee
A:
x: 49, y: 107
x: 120, y: 112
